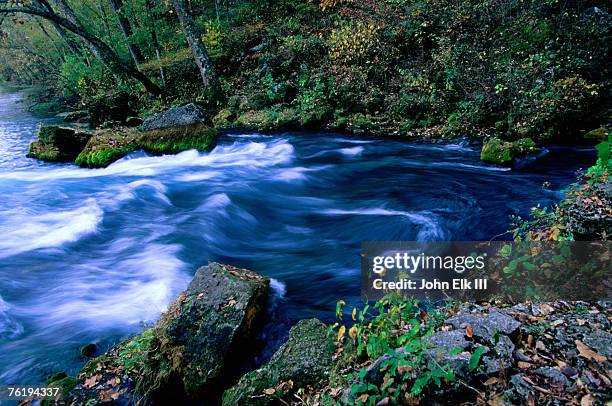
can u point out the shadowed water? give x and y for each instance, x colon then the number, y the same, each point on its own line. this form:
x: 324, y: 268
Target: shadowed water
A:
x: 90, y: 255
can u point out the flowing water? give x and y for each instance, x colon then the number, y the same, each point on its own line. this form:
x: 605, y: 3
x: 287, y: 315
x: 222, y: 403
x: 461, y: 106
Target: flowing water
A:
x: 91, y: 255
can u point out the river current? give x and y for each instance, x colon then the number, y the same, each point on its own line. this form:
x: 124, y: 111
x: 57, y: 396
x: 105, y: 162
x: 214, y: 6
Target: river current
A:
x: 93, y: 255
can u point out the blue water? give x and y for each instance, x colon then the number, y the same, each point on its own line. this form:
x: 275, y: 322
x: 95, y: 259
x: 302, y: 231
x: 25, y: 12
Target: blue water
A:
x: 91, y: 255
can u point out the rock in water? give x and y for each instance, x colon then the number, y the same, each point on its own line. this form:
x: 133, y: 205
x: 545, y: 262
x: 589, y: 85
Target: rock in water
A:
x: 58, y: 144
x: 106, y: 146
x: 503, y: 153
x: 176, y: 139
x: 208, y: 331
x: 186, y: 115
x: 305, y: 359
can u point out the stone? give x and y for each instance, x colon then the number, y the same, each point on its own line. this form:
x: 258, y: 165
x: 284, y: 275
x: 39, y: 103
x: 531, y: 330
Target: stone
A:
x: 600, y: 341
x: 177, y: 139
x: 485, y: 324
x: 88, y: 350
x: 187, y: 115
x: 208, y: 330
x: 554, y: 375
x: 597, y: 134
x: 58, y: 144
x: 497, y: 152
x: 304, y: 359
x: 106, y: 146
x: 75, y: 116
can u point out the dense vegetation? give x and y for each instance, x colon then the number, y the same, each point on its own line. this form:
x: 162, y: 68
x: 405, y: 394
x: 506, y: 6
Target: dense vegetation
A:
x: 511, y: 68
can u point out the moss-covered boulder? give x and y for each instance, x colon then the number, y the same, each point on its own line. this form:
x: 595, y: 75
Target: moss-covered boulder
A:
x: 305, y: 359
x: 497, y: 152
x: 107, y: 146
x: 224, y: 118
x: 176, y: 139
x: 598, y: 134
x: 503, y: 153
x: 208, y: 332
x: 58, y: 144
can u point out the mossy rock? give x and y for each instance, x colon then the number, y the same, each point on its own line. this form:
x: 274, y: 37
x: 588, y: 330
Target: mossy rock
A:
x: 598, y: 134
x: 207, y: 333
x: 305, y: 359
x: 255, y: 120
x: 107, y: 146
x: 498, y: 152
x: 524, y: 146
x: 176, y: 139
x: 224, y: 118
x: 58, y: 144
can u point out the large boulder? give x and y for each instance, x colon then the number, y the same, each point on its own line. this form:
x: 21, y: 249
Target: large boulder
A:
x: 305, y: 359
x: 176, y: 139
x: 106, y: 146
x: 186, y: 115
x: 193, y: 351
x: 207, y: 332
x: 59, y: 144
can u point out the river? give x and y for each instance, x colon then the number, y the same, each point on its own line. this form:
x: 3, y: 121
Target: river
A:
x: 92, y: 255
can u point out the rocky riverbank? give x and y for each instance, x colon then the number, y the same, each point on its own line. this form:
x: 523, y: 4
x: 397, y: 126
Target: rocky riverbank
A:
x: 524, y: 354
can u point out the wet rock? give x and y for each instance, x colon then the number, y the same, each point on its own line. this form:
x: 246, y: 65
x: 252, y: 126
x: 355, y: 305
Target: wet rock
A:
x: 553, y: 375
x: 59, y: 144
x: 207, y: 332
x: 186, y: 115
x: 443, y: 342
x: 225, y: 118
x: 497, y: 152
x: 176, y: 139
x: 305, y: 359
x: 503, y: 153
x: 486, y: 324
x: 89, y: 350
x: 74, y: 116
x: 106, y: 146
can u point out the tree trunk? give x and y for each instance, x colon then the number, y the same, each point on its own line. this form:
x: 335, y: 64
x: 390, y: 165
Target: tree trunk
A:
x: 99, y: 47
x: 194, y: 39
x: 155, y: 40
x: 126, y: 30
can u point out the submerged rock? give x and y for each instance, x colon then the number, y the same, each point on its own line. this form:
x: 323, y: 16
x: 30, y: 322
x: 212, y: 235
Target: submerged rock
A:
x: 186, y: 115
x: 176, y: 139
x: 59, y: 144
x: 107, y: 146
x: 305, y: 359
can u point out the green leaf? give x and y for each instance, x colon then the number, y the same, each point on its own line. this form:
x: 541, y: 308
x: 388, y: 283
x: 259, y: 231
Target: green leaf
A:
x: 475, y: 358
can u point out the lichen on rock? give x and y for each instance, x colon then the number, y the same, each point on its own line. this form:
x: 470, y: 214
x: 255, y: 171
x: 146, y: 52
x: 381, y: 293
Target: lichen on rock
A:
x: 305, y: 359
x: 58, y: 144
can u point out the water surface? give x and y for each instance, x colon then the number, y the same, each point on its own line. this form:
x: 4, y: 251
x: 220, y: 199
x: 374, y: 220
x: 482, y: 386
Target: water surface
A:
x: 91, y: 255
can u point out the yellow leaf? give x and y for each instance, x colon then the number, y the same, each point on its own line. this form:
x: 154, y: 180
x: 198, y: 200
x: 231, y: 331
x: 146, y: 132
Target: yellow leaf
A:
x: 353, y: 332
x: 341, y: 332
x: 354, y: 313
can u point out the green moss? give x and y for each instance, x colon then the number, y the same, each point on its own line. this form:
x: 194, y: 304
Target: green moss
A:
x: 497, y: 152
x: 103, y: 156
x: 177, y: 139
x: 65, y: 384
x: 598, y: 134
x: 524, y: 146
x: 44, y: 152
x: 225, y: 118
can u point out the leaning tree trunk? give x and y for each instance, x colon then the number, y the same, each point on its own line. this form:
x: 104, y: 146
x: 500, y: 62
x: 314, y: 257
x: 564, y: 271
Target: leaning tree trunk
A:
x: 100, y: 49
x: 194, y: 39
x: 126, y: 30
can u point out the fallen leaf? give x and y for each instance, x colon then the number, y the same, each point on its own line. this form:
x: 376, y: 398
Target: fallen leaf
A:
x: 384, y: 401
x: 587, y: 400
x: 540, y: 346
x: 581, y: 322
x: 491, y: 381
x: 469, y: 331
x: 91, y: 381
x: 524, y: 365
x: 269, y: 391
x: 588, y: 353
